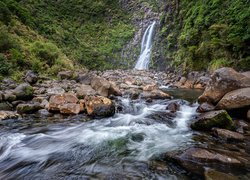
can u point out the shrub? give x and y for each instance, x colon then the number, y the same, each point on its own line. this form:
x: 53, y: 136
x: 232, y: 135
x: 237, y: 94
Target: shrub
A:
x: 6, y: 41
x: 5, y: 14
x: 5, y: 65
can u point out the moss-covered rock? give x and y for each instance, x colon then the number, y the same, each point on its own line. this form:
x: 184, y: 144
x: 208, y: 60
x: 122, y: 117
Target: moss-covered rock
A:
x: 209, y: 120
x: 24, y: 91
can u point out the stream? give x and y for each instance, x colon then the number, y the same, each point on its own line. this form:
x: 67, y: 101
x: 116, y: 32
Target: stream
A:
x: 128, y: 145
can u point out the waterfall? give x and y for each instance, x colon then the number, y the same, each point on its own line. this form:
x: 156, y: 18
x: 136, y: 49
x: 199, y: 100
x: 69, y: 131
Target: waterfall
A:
x: 146, y: 45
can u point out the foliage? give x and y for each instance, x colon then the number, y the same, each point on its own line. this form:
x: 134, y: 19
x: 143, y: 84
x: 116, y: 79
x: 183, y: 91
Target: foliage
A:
x: 5, y: 14
x: 5, y: 65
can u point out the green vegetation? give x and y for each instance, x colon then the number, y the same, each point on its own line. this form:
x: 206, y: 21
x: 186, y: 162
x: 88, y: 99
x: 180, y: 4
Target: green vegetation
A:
x: 207, y: 34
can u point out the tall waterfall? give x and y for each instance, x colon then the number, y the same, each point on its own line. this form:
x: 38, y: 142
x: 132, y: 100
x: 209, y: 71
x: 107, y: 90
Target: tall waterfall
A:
x: 146, y: 45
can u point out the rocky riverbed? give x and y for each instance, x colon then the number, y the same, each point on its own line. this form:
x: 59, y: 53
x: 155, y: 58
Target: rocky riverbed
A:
x: 142, y: 120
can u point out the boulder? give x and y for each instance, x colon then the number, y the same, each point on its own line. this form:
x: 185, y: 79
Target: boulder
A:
x: 228, y: 135
x: 209, y: 120
x: 84, y: 78
x: 6, y: 106
x: 211, y: 174
x: 65, y: 75
x: 84, y: 90
x: 55, y: 90
x: 57, y: 101
x: 248, y: 115
x: 155, y: 94
x: 223, y: 81
x: 28, y: 108
x: 1, y: 96
x: 99, y: 106
x: 8, y: 115
x: 149, y: 87
x: 205, y: 107
x: 239, y: 98
x: 101, y: 85
x: 9, y: 96
x: 24, y: 92
x: 173, y: 107
x: 70, y: 108
x: 31, y: 77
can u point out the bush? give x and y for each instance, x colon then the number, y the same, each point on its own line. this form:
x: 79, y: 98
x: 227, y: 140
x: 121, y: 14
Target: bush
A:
x: 5, y: 14
x: 6, y: 41
x: 5, y: 65
x: 18, y: 59
x: 47, y: 52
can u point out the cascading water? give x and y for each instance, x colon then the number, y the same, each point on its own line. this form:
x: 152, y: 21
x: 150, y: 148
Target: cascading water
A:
x: 146, y: 45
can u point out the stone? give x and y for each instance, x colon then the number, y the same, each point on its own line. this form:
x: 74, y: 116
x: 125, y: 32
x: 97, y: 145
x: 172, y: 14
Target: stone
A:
x: 223, y: 81
x: 84, y: 78
x: 99, y: 106
x: 55, y: 90
x: 84, y: 90
x: 114, y: 90
x: 239, y: 98
x: 211, y: 174
x: 228, y: 135
x: 70, y: 108
x: 205, y: 107
x: 9, y: 96
x: 101, y: 85
x: 65, y: 75
x: 43, y: 113
x: 8, y: 115
x: 24, y: 92
x: 57, y: 101
x: 6, y: 106
x: 1, y: 96
x: 28, y: 108
x: 248, y: 115
x: 173, y: 107
x: 209, y: 120
x: 155, y: 94
x: 183, y: 80
x: 149, y: 87
x: 31, y: 77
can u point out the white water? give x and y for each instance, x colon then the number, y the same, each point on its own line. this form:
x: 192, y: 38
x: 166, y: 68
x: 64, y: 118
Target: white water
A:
x: 146, y: 45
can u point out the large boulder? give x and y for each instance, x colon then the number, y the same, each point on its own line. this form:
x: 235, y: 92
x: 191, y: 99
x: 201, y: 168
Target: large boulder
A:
x: 84, y: 90
x: 8, y: 115
x: 65, y: 75
x: 205, y: 107
x: 9, y: 96
x: 57, y: 101
x: 223, y: 81
x: 99, y: 106
x: 70, y: 108
x: 239, y: 98
x: 24, y: 91
x: 31, y: 77
x: 228, y: 135
x: 6, y: 106
x: 28, y: 108
x: 209, y: 120
x: 155, y: 94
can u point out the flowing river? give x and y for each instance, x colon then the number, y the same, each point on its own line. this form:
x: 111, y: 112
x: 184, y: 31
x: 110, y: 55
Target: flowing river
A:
x: 128, y: 145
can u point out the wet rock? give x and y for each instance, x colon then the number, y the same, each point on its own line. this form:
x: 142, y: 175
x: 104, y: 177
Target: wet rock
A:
x: 70, y: 108
x: 132, y: 93
x: 228, y: 135
x: 99, y: 106
x: 223, y: 81
x: 209, y: 120
x: 43, y: 113
x: 101, y: 85
x: 155, y: 94
x: 211, y: 174
x: 6, y: 106
x: 205, y: 107
x: 31, y: 77
x: 173, y: 107
x: 9, y: 96
x: 24, y: 92
x: 8, y: 115
x: 239, y: 98
x: 55, y: 90
x: 65, y: 75
x: 28, y: 108
x: 84, y: 90
x: 57, y: 101
x: 38, y: 99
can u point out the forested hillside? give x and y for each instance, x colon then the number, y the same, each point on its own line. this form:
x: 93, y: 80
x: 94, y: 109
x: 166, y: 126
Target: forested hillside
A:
x: 48, y: 36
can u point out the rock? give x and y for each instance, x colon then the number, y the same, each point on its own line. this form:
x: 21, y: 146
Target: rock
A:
x: 150, y: 87
x: 15, y: 103
x: 101, y: 85
x: 9, y: 96
x: 99, y: 106
x: 70, y: 108
x: 209, y: 120
x: 205, y: 107
x: 31, y: 77
x: 248, y: 115
x: 247, y: 74
x: 55, y: 90
x: 65, y: 75
x: 8, y: 115
x: 84, y: 90
x: 228, y: 135
x: 1, y: 96
x: 132, y: 93
x: 183, y: 80
x: 211, y: 174
x: 173, y: 107
x: 84, y: 78
x: 223, y: 81
x: 239, y: 98
x: 155, y: 94
x: 57, y: 101
x: 43, y: 113
x: 24, y: 92
x: 28, y: 108
x: 114, y: 90
x: 6, y: 106
x: 38, y: 99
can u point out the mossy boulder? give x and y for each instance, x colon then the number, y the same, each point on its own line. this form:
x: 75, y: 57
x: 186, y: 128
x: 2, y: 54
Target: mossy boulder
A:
x: 209, y: 120
x: 28, y: 108
x: 24, y: 92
